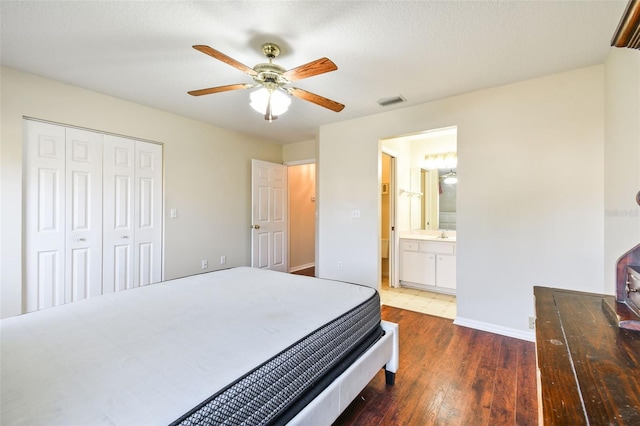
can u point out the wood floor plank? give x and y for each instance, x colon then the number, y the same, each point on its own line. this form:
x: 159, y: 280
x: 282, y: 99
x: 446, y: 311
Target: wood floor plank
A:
x: 503, y: 403
x: 478, y: 409
x: 452, y: 410
x: 449, y: 375
x: 526, y: 389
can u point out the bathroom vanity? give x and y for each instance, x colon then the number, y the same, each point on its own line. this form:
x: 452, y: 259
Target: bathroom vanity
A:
x: 428, y: 262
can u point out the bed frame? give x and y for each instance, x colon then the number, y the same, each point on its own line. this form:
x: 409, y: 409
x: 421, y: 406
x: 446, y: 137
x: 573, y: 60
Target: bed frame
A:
x: 328, y: 406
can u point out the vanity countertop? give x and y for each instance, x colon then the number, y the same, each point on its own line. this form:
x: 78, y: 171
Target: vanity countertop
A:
x: 427, y: 237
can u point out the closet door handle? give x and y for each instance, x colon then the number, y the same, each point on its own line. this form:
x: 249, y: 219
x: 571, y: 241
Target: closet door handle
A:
x: 125, y: 237
x: 81, y: 239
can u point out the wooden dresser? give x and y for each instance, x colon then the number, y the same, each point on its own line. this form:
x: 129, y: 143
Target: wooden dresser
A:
x: 588, y: 368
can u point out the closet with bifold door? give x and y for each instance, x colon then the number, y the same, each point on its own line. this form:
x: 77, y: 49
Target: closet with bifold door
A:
x: 93, y: 214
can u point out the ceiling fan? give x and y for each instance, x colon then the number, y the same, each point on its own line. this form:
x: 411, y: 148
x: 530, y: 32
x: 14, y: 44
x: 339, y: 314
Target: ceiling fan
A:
x: 272, y: 79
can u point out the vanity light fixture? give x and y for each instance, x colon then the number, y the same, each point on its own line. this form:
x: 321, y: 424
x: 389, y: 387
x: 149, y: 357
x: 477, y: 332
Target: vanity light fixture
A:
x: 447, y: 160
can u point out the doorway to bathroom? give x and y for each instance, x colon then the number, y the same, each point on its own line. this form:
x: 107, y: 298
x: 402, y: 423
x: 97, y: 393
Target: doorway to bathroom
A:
x: 418, y: 251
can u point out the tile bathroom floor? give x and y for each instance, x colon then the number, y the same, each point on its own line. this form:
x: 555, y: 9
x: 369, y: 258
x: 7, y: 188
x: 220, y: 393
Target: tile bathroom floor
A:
x: 426, y: 302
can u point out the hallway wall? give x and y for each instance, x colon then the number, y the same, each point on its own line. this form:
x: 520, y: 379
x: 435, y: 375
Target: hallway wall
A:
x: 302, y: 213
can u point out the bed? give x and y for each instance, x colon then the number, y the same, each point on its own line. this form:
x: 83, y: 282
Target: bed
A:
x: 237, y: 346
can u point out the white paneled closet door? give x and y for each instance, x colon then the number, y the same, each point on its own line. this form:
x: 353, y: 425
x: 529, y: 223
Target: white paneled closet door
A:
x: 118, y: 228
x: 83, y: 257
x: 148, y: 213
x: 133, y: 213
x: 63, y: 215
x: 93, y: 214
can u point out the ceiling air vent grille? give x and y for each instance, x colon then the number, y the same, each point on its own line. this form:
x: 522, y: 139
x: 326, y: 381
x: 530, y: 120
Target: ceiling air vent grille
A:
x: 390, y: 101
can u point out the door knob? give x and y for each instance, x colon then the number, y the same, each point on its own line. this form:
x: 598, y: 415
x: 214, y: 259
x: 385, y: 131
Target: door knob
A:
x: 256, y: 226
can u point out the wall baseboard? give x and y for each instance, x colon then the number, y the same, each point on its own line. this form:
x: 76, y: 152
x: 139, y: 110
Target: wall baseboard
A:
x: 301, y: 267
x: 496, y: 329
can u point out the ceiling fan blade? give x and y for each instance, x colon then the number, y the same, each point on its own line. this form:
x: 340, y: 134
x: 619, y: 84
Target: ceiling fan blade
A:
x: 319, y: 66
x: 219, y: 89
x: 316, y: 99
x: 224, y: 58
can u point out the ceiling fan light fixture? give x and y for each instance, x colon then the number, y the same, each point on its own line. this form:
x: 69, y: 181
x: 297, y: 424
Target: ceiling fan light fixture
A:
x: 261, y: 98
x: 271, y: 99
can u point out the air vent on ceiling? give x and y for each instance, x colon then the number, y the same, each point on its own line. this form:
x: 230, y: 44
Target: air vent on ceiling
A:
x: 390, y: 101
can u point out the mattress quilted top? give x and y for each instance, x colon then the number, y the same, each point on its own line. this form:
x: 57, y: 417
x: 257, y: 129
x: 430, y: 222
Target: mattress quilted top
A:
x: 148, y: 355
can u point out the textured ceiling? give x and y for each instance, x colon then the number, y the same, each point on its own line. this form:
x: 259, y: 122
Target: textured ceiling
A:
x: 141, y: 50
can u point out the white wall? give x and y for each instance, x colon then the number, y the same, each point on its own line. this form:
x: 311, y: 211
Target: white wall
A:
x: 544, y: 141
x: 300, y: 151
x: 621, y: 158
x: 207, y: 174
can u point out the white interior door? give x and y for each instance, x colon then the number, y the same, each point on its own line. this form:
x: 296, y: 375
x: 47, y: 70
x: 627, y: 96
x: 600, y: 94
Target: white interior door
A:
x: 118, y: 214
x: 148, y: 213
x: 83, y: 269
x: 269, y: 216
x: 44, y: 215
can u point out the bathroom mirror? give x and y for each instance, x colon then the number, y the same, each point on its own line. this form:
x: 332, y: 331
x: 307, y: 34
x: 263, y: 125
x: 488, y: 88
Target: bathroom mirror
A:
x: 436, y: 208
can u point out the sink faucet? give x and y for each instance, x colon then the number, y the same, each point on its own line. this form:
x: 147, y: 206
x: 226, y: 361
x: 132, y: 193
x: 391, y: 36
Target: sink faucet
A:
x: 443, y: 234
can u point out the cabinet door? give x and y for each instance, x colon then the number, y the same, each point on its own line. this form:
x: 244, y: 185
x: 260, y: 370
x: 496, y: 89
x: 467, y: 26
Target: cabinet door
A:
x: 446, y: 271
x: 419, y: 268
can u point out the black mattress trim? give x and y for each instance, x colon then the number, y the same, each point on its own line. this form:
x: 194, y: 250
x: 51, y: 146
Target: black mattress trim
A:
x: 294, y: 376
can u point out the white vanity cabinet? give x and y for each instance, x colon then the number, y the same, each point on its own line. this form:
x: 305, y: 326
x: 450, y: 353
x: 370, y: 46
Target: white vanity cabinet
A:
x: 428, y: 265
x: 417, y: 266
x: 446, y: 271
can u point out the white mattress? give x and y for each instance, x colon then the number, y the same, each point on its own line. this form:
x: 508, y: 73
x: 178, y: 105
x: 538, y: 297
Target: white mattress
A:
x: 149, y: 355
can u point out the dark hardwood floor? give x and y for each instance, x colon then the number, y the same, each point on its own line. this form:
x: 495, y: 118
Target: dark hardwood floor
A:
x: 450, y: 375
x: 309, y: 272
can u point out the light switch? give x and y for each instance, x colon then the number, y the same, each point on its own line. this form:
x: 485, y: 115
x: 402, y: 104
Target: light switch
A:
x: 355, y: 214
x: 173, y: 213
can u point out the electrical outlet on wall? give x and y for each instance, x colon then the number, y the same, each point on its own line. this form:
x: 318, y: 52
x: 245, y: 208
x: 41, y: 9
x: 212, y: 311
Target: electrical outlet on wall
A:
x: 205, y: 263
x: 339, y: 264
x: 532, y: 322
x: 223, y: 260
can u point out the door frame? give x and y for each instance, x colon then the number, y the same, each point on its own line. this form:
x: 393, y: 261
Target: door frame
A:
x: 393, y: 214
